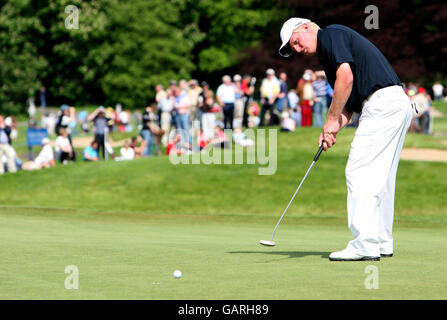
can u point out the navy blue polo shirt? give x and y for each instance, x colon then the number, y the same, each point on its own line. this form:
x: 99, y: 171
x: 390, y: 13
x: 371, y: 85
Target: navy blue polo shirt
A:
x: 337, y: 44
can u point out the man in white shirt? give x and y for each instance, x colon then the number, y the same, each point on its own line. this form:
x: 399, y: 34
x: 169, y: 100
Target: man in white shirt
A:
x: 45, y: 159
x: 126, y: 152
x: 5, y: 146
x: 64, y: 150
x: 438, y: 91
x: 166, y: 105
x: 226, y: 95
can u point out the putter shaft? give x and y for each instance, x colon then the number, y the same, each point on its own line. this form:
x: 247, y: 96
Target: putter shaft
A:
x: 298, y: 189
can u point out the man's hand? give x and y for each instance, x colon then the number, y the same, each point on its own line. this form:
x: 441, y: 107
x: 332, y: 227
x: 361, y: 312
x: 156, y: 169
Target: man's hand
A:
x: 329, y: 135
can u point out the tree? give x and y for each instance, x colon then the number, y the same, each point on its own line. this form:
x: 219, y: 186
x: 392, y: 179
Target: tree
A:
x: 21, y: 64
x: 147, y: 45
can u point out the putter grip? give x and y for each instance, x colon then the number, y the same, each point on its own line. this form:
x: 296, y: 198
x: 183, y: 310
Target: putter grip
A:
x: 318, y: 153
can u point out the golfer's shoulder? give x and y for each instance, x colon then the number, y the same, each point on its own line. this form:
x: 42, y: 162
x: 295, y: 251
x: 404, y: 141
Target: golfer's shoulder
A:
x: 336, y: 29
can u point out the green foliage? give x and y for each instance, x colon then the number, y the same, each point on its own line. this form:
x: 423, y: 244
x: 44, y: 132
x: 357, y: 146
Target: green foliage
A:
x: 146, y: 46
x: 232, y: 25
x: 122, y: 48
x: 20, y: 62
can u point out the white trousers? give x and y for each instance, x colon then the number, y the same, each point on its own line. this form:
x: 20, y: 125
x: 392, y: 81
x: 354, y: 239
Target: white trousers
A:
x: 8, y: 151
x: 372, y: 167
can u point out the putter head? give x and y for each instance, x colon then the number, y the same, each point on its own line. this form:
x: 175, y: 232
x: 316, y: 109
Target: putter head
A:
x: 268, y: 243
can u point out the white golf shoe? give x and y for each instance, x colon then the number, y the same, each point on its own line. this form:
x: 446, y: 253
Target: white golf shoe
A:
x: 346, y: 255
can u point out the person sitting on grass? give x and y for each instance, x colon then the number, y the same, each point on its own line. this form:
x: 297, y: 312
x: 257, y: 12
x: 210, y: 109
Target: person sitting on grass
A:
x: 126, y: 152
x: 220, y: 140
x: 176, y: 146
x: 45, y: 159
x: 64, y: 150
x: 241, y: 138
x: 91, y: 153
x: 287, y: 123
x: 138, y: 150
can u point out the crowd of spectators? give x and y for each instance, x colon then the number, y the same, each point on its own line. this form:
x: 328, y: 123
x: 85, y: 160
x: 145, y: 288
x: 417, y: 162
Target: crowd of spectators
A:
x: 186, y: 117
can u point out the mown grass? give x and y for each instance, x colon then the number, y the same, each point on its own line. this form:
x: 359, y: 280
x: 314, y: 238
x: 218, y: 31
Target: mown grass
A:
x: 128, y: 225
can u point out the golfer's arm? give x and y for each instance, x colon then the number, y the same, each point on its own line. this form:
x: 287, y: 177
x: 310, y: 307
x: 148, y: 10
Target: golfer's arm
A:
x: 342, y: 91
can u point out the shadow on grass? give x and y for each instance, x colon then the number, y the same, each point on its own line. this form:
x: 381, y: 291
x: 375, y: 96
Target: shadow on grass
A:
x: 289, y: 254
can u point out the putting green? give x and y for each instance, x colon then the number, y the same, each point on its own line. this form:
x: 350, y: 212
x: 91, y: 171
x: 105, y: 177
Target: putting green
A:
x: 133, y: 257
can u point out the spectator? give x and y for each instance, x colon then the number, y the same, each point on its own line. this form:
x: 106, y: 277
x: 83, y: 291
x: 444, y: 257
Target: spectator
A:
x: 138, y: 150
x: 66, y: 120
x: 91, y: 153
x: 438, y: 91
x: 182, y: 105
x: 45, y: 159
x: 100, y: 128
x: 173, y: 88
x: 31, y: 106
x: 294, y: 108
x: 126, y: 152
x: 209, y: 115
x: 239, y: 102
x: 194, y: 91
x: 146, y: 132
x: 43, y: 97
x: 12, y: 123
x: 50, y: 123
x: 423, y: 117
x: 270, y: 89
x: 5, y: 146
x: 201, y: 98
x: 287, y: 123
x: 306, y: 94
x: 83, y: 120
x: 156, y: 131
x: 220, y: 140
x: 253, y: 114
x: 4, y: 162
x: 248, y: 87
x: 177, y: 147
x: 64, y: 150
x: 320, y: 89
x: 124, y: 120
x: 226, y: 96
x: 283, y: 91
x: 160, y: 93
x: 240, y: 138
x: 166, y: 105
x: 112, y: 116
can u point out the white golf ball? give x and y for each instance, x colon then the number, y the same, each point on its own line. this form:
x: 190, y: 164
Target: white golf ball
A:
x: 177, y: 274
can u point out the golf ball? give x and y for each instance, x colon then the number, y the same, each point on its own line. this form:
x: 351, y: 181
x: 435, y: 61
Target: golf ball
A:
x: 177, y: 274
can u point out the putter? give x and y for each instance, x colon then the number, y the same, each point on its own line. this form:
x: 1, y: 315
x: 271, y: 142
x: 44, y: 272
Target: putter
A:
x: 271, y: 243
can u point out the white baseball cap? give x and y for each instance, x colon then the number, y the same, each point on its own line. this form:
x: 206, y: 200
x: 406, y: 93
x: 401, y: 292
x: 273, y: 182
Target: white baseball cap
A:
x: 270, y: 71
x: 286, y: 33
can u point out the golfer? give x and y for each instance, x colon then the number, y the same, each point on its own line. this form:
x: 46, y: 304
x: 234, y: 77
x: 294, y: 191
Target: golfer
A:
x: 363, y: 82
